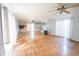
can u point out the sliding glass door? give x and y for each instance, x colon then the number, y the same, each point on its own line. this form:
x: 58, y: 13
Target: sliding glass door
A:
x: 63, y: 27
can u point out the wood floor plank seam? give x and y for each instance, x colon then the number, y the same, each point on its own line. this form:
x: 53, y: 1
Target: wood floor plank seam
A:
x: 44, y: 45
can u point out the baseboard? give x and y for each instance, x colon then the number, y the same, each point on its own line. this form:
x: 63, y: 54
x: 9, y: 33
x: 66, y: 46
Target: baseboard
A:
x: 74, y: 40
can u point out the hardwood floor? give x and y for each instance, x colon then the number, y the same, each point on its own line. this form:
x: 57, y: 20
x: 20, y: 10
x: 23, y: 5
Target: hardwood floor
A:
x: 42, y: 45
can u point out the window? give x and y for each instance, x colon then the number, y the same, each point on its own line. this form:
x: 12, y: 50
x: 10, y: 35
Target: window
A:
x: 63, y: 27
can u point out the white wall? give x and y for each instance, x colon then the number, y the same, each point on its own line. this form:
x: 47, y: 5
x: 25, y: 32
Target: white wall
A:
x: 5, y: 25
x: 10, y: 29
x: 75, y: 28
x: 52, y: 27
x: 29, y: 27
x: 73, y: 31
x: 60, y: 27
x: 37, y: 26
x: 1, y: 35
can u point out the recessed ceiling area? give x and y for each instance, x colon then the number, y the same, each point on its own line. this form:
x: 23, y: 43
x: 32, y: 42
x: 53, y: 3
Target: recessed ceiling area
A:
x: 36, y: 11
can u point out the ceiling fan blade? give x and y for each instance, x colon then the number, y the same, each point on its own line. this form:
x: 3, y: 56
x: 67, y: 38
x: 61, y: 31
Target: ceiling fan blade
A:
x: 73, y: 6
x: 66, y: 11
x: 52, y: 10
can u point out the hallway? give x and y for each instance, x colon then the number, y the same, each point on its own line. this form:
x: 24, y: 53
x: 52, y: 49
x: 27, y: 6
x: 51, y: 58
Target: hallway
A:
x: 44, y: 45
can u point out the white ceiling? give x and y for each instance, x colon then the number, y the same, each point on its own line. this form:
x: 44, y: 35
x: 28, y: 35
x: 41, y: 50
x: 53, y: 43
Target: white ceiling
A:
x: 30, y: 11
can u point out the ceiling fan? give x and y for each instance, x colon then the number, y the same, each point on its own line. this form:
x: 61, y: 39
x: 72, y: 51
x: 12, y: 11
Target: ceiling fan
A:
x: 61, y: 8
